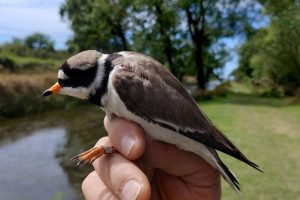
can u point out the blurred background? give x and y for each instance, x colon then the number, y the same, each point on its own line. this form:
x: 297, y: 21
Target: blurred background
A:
x: 240, y: 59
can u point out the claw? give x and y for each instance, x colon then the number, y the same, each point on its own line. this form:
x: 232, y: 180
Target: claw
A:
x: 79, y: 162
x: 77, y: 158
x: 92, y: 154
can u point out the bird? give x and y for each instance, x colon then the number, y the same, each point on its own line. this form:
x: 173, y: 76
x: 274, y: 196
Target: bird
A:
x: 139, y: 88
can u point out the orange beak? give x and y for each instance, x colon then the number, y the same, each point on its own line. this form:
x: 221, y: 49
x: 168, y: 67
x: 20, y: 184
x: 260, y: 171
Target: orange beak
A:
x: 54, y: 89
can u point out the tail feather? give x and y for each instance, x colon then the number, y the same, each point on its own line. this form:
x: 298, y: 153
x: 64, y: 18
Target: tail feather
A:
x: 235, y: 152
x: 226, y: 173
x: 229, y: 176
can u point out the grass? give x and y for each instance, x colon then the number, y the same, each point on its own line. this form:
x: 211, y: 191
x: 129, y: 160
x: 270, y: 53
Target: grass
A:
x: 267, y: 131
x: 23, y: 63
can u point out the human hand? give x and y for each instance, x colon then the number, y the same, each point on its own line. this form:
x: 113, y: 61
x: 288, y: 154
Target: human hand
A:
x: 147, y: 169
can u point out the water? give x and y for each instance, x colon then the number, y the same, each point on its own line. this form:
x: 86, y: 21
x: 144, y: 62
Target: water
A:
x: 35, y: 160
x: 31, y: 171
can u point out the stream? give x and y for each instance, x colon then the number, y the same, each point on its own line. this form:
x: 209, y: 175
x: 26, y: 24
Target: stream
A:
x: 35, y: 153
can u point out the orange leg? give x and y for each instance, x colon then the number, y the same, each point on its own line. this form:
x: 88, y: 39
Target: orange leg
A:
x: 92, y: 154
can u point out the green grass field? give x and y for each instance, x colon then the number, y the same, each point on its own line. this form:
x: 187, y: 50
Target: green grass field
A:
x: 267, y: 131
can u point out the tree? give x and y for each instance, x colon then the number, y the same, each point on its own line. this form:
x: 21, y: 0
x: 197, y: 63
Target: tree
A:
x: 272, y: 54
x: 16, y: 46
x: 39, y: 41
x: 253, y: 45
x: 158, y: 33
x: 210, y: 21
x: 97, y: 24
x: 184, y: 35
x: 35, y: 45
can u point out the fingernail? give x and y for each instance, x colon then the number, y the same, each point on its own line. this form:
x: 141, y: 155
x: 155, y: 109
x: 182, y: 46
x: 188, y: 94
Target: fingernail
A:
x: 131, y: 189
x: 127, y: 143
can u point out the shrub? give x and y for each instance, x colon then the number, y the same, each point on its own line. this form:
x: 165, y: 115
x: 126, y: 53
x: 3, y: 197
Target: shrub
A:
x: 21, y: 95
x: 7, y: 63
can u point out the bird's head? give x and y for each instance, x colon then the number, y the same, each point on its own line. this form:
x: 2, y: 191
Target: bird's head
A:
x: 77, y: 76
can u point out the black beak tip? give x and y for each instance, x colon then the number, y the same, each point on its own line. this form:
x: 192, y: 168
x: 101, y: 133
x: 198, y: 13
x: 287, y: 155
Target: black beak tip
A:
x: 46, y: 93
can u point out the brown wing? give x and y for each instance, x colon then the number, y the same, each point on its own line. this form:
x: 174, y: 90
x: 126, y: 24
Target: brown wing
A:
x: 153, y: 93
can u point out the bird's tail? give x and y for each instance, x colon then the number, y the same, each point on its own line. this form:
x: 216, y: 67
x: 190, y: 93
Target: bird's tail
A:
x: 226, y: 173
x: 210, y: 155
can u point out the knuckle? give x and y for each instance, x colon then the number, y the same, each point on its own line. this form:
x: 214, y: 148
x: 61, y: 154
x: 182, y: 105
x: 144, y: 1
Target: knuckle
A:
x: 86, y: 183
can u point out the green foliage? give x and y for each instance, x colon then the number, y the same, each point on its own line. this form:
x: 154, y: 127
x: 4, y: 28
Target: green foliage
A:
x: 156, y: 32
x: 35, y: 45
x: 40, y: 42
x: 16, y: 63
x: 16, y: 47
x: 272, y: 55
x: 36, y: 52
x: 183, y: 35
x: 97, y: 24
x: 208, y: 23
x: 7, y: 63
x: 254, y: 44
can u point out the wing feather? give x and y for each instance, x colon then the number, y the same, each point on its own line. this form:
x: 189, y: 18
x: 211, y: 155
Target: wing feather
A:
x: 153, y: 93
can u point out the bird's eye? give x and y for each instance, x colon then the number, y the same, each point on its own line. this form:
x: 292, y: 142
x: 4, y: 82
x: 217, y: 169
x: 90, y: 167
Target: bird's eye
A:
x: 62, y: 82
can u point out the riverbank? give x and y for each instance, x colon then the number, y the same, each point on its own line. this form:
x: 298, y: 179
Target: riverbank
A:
x: 20, y: 93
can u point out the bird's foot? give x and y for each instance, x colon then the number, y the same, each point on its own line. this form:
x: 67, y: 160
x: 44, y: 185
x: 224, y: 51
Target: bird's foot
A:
x: 92, y: 154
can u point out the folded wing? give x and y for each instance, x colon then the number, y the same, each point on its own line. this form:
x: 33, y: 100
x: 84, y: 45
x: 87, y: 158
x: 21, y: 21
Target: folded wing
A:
x: 153, y: 93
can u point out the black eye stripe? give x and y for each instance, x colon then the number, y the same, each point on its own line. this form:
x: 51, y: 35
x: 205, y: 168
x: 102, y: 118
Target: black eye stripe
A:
x: 77, y: 77
x: 64, y: 82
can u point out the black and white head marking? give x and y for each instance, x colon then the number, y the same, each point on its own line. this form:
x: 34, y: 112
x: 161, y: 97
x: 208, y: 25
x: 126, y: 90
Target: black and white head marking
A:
x: 77, y: 75
x: 106, y: 65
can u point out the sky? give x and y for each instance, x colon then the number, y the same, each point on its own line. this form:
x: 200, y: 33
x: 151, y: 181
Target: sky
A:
x: 20, y: 18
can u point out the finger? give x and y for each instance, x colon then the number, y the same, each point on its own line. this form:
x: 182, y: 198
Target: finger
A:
x: 126, y: 136
x: 121, y: 176
x: 93, y: 188
x: 177, y: 162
